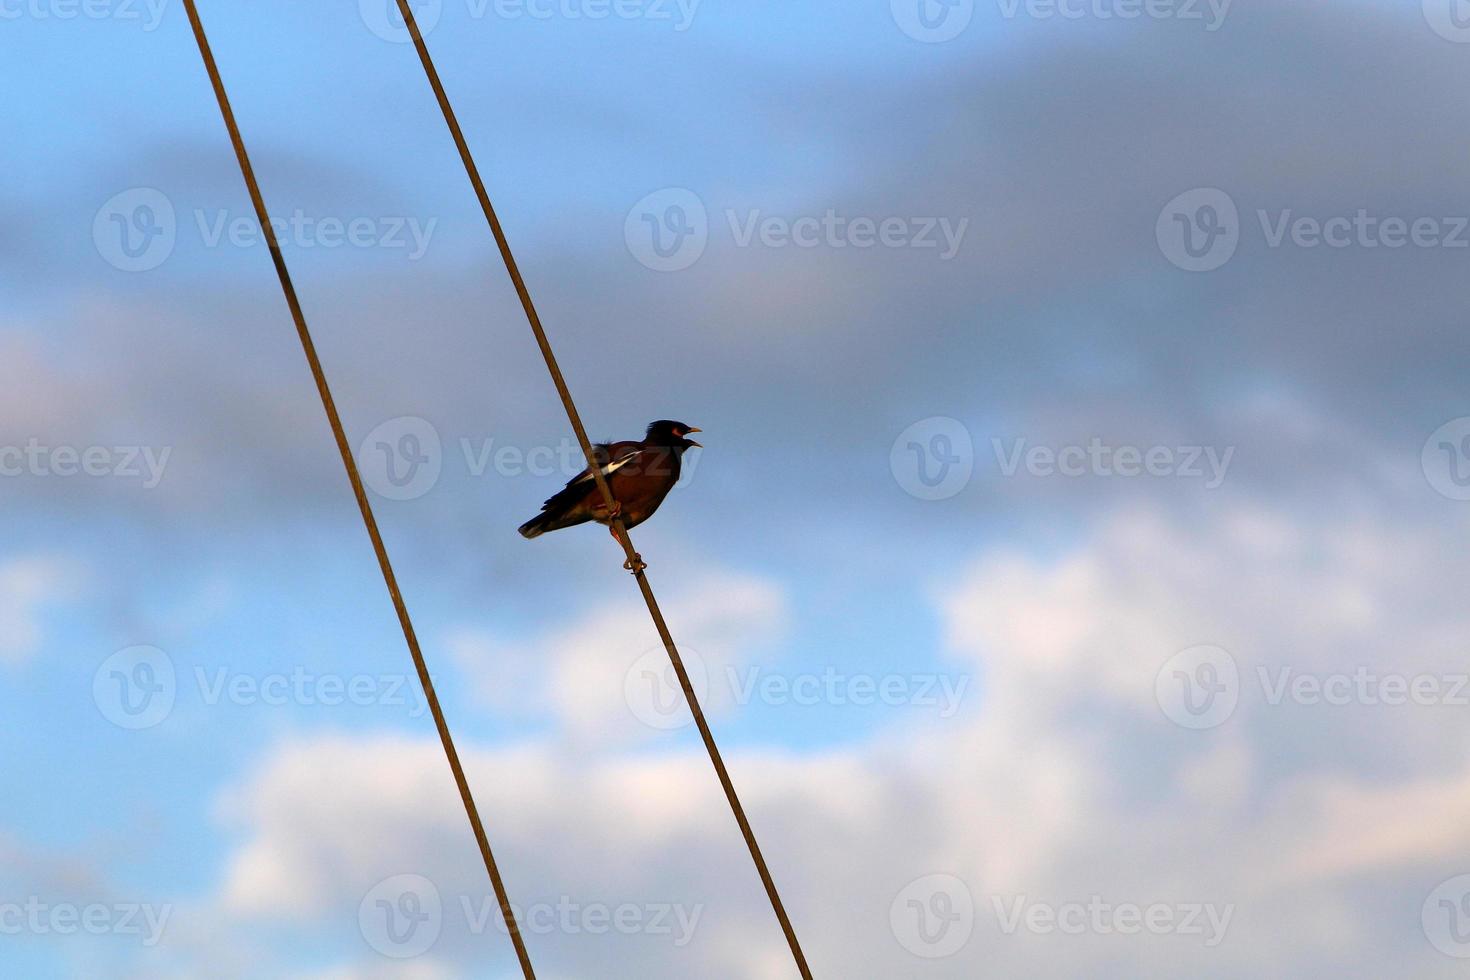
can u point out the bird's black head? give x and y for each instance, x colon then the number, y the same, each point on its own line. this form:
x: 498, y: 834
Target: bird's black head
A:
x: 666, y: 432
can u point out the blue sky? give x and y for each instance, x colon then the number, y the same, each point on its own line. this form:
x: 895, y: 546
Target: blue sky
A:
x: 1026, y: 622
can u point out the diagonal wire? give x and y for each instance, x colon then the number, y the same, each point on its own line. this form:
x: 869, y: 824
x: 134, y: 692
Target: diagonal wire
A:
x: 635, y: 563
x: 369, y: 521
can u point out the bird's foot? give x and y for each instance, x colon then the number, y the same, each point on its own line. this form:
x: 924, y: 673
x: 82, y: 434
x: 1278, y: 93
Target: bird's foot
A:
x: 635, y: 564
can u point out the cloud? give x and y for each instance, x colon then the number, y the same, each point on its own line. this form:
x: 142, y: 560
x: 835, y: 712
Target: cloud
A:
x: 591, y: 677
x: 29, y: 584
x: 1068, y: 782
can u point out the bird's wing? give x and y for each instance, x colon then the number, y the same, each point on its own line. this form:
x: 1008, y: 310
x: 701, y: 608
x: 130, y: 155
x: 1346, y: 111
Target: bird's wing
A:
x: 610, y: 458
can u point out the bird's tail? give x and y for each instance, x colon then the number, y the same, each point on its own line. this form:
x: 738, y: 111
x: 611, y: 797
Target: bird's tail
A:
x: 550, y: 520
x: 536, y: 526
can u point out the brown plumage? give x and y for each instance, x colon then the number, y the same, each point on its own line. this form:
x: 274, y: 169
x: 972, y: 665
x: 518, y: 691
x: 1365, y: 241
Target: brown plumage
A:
x: 639, y: 474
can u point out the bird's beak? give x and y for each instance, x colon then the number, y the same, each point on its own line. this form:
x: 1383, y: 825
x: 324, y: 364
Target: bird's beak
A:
x: 691, y: 441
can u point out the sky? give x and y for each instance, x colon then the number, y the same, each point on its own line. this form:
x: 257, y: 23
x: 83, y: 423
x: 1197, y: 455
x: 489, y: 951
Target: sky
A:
x: 1073, y: 573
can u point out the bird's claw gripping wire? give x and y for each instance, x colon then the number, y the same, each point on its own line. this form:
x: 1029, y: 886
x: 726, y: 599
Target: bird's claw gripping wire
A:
x: 635, y: 564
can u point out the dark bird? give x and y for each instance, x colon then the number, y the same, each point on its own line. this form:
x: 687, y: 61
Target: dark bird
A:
x: 639, y: 474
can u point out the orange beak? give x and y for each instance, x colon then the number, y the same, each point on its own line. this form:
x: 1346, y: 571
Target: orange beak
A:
x: 691, y: 441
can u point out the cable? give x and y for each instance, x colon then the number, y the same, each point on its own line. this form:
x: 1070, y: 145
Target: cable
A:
x: 634, y: 563
x: 363, y: 505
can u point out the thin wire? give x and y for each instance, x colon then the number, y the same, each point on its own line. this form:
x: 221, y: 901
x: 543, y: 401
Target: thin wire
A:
x: 369, y: 521
x: 635, y: 563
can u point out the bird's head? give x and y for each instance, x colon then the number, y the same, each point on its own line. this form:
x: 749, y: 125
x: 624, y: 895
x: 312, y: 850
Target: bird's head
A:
x: 666, y: 432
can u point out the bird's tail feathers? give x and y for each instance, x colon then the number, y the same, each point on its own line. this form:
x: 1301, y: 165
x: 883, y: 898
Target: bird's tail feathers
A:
x: 550, y: 521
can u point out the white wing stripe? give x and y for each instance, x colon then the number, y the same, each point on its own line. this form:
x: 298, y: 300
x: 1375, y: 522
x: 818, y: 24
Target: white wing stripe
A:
x: 613, y: 467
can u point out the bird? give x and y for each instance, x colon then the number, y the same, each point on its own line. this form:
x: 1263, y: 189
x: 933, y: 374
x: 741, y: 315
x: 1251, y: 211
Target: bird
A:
x: 639, y: 474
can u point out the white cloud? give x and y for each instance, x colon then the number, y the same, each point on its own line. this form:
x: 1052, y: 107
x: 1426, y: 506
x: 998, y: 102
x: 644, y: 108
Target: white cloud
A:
x: 577, y: 673
x: 29, y: 584
x: 1321, y: 827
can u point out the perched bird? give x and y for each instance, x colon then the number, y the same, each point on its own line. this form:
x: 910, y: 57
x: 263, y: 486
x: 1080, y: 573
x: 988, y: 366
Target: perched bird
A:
x: 639, y: 474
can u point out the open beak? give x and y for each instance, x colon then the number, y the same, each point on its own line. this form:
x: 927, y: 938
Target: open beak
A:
x: 691, y: 441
